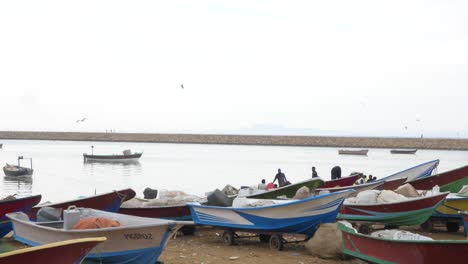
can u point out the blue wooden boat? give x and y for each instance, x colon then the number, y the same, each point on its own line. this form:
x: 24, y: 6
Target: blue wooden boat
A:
x: 414, y: 173
x: 292, y: 217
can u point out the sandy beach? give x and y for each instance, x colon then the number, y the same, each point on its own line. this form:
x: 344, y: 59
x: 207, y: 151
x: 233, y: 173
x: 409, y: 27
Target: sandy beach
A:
x: 315, y: 141
x: 206, y: 246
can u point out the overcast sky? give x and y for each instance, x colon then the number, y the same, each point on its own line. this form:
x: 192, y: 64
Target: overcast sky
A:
x: 373, y: 68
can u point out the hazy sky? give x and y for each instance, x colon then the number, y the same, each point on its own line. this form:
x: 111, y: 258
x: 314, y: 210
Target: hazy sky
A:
x: 347, y: 67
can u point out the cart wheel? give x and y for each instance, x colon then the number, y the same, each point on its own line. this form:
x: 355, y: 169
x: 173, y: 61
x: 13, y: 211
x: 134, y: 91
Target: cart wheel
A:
x: 264, y: 238
x: 364, y: 229
x: 427, y: 226
x: 276, y: 242
x: 228, y: 237
x: 452, y: 226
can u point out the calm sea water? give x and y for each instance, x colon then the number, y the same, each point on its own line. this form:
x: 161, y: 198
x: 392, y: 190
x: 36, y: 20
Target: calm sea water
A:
x: 60, y: 173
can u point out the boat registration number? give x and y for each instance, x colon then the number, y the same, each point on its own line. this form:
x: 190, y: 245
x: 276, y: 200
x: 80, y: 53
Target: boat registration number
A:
x: 138, y: 236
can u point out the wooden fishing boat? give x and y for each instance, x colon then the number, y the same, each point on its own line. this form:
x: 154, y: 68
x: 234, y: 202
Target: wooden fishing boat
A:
x: 289, y: 190
x: 172, y: 212
x: 385, y: 251
x: 125, y: 156
x: 411, y: 212
x: 18, y: 170
x: 393, y: 184
x: 15, y: 205
x: 358, y: 188
x: 353, y: 152
x: 109, y: 202
x: 136, y: 240
x: 63, y: 252
x: 342, y: 182
x: 447, y: 213
x: 413, y: 173
x: 403, y: 151
x: 449, y: 181
x: 292, y: 217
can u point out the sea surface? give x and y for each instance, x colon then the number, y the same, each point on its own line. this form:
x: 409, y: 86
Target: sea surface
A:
x: 61, y: 174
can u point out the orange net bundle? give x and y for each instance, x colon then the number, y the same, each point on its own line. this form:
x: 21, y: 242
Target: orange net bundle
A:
x: 96, y: 223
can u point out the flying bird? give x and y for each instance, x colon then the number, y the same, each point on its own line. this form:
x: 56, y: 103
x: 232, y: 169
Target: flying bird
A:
x: 182, y: 86
x: 81, y: 120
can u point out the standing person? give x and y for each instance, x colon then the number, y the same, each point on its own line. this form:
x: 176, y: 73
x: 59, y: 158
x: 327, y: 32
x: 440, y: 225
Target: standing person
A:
x: 314, y: 173
x: 262, y: 186
x: 335, y: 172
x: 282, y: 181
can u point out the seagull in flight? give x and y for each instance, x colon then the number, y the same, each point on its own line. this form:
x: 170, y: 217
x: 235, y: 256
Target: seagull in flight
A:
x: 182, y: 86
x: 81, y: 120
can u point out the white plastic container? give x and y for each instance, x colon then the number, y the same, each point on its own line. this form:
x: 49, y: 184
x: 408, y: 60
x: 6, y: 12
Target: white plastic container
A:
x: 71, y: 217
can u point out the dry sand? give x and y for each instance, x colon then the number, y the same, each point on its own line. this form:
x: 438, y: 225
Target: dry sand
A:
x: 206, y: 246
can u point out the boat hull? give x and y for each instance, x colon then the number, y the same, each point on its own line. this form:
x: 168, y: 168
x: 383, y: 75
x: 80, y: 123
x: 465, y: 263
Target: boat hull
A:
x: 297, y: 217
x: 393, y: 184
x: 449, y: 181
x: 412, y: 212
x: 362, y: 152
x: 109, y: 202
x: 357, y: 188
x: 289, y: 190
x: 403, y: 151
x: 341, y: 182
x: 451, y: 206
x: 70, y: 251
x: 18, y: 205
x: 385, y: 251
x: 20, y: 172
x: 111, y: 158
x: 413, y: 173
x: 142, y: 241
x: 177, y: 212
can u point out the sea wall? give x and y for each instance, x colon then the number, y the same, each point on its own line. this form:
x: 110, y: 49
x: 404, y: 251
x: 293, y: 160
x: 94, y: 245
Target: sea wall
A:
x: 316, y: 141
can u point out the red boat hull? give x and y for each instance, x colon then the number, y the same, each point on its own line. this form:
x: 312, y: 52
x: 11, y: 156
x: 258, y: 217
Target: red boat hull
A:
x: 440, y: 179
x: 414, y: 252
x: 17, y: 205
x: 178, y: 212
x: 341, y: 182
x: 393, y: 184
x: 55, y: 253
x: 109, y: 202
x: 411, y: 205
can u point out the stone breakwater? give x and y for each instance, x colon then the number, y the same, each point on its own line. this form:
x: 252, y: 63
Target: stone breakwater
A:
x: 313, y: 141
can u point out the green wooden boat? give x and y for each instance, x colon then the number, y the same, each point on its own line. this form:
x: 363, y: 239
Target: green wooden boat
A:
x: 289, y: 190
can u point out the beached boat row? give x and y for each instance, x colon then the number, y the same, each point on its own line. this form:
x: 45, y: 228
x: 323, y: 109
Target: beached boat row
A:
x: 142, y: 233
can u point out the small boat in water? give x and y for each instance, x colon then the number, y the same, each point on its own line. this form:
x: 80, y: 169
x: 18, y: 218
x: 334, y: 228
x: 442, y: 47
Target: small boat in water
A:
x: 126, y: 156
x: 15, y: 205
x: 385, y: 250
x: 63, y: 252
x: 289, y: 190
x: 109, y: 202
x: 17, y: 170
x: 403, y: 151
x: 362, y: 152
x: 134, y: 239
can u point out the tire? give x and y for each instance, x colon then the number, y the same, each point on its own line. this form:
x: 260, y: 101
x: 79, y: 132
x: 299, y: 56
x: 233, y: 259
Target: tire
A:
x: 276, y: 242
x: 264, y: 238
x: 452, y: 226
x: 428, y: 226
x: 188, y: 229
x: 228, y: 238
x: 364, y: 229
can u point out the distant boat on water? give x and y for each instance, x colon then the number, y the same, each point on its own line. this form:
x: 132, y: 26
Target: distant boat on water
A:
x: 353, y: 151
x: 403, y: 151
x: 17, y: 170
x: 126, y: 155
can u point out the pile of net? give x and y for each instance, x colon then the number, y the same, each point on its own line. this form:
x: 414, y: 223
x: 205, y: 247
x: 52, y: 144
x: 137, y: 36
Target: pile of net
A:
x: 166, y: 198
x: 403, y: 193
